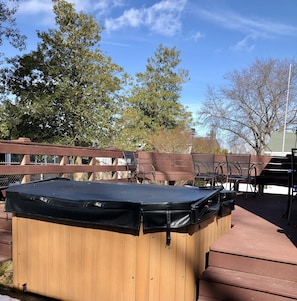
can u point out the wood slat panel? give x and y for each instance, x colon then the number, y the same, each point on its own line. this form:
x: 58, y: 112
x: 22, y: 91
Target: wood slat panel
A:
x: 155, y: 266
x: 84, y: 264
x: 168, y: 166
x: 180, y: 266
x: 142, y: 277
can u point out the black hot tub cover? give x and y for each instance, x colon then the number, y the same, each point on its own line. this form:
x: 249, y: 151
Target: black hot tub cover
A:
x: 119, y: 205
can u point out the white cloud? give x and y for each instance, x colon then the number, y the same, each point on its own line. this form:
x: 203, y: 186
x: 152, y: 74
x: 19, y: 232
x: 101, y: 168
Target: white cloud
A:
x: 163, y: 17
x: 81, y: 5
x: 46, y: 6
x: 103, y: 7
x: 256, y: 26
x: 33, y: 7
x: 252, y: 28
x: 197, y: 36
x: 101, y: 4
x: 246, y: 44
x: 131, y: 17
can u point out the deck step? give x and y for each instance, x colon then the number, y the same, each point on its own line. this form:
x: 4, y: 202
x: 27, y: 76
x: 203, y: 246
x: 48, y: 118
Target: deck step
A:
x: 225, y: 284
x: 253, y: 265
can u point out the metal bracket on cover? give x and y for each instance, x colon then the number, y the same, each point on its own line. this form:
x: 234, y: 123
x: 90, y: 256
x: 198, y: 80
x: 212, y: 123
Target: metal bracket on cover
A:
x: 168, y: 237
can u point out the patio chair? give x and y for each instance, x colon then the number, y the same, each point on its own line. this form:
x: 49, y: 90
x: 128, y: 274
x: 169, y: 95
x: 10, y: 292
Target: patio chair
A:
x: 207, y: 171
x: 241, y: 170
x: 131, y: 165
x: 292, y: 190
x: 137, y: 171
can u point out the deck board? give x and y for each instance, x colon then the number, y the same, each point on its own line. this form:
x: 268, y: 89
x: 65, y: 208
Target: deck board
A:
x: 259, y: 230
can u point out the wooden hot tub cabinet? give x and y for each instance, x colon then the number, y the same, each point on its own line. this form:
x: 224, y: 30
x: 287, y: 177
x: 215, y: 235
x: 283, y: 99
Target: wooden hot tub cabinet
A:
x: 70, y: 260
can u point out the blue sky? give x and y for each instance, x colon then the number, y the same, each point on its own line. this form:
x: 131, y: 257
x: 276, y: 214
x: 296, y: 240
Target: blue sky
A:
x: 214, y: 36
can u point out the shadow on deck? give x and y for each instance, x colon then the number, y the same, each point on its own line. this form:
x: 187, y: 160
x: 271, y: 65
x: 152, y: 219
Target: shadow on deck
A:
x: 271, y: 207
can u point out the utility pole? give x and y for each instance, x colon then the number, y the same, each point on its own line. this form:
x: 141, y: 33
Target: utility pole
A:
x: 286, y: 111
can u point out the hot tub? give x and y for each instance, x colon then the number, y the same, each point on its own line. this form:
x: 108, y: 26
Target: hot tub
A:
x: 113, y: 241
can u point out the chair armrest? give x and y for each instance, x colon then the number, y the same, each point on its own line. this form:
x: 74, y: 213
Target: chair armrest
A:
x: 146, y: 168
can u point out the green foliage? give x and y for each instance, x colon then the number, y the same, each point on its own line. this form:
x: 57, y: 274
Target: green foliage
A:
x: 66, y: 91
x: 154, y: 102
x: 8, y: 28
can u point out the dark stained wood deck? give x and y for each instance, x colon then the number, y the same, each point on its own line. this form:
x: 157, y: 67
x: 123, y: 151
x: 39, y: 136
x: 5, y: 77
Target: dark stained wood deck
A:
x: 269, y: 208
x: 257, y: 259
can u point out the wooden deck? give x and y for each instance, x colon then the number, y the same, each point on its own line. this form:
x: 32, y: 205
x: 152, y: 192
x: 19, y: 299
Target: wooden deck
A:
x: 257, y: 259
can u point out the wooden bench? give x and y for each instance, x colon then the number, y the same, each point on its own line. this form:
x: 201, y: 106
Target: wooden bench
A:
x: 168, y: 167
x: 275, y: 172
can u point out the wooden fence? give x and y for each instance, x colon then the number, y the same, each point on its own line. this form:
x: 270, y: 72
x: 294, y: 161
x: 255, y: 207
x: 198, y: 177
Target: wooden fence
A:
x: 23, y: 161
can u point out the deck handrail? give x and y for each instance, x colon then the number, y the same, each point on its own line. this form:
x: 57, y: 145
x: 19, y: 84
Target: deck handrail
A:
x: 84, y: 163
x: 69, y: 161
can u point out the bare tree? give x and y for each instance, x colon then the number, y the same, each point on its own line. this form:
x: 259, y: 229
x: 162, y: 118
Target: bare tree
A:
x: 252, y: 104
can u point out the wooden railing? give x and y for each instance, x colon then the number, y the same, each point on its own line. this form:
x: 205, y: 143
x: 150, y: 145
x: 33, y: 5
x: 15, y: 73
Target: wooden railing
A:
x: 23, y: 161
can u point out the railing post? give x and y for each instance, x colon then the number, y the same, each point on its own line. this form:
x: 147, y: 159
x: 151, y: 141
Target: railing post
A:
x: 25, y: 161
x: 92, y: 175
x: 63, y: 161
x: 114, y: 175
